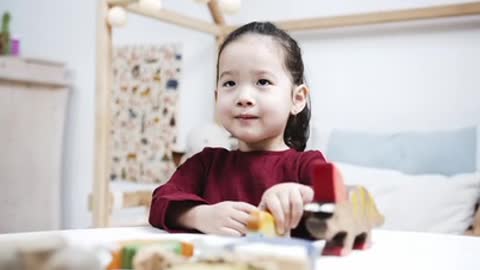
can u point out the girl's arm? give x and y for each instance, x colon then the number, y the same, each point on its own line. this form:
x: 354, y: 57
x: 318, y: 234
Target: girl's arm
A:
x: 171, y: 201
x: 178, y: 206
x: 186, y: 216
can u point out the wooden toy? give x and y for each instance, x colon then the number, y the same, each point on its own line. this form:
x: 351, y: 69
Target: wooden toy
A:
x: 46, y: 252
x: 222, y: 265
x: 282, y: 253
x: 240, y: 255
x: 35, y: 253
x: 73, y: 258
x: 343, y: 216
x: 125, y: 254
x: 156, y: 257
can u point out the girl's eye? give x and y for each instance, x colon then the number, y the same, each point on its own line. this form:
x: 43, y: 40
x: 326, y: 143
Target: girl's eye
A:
x: 263, y: 82
x: 229, y: 84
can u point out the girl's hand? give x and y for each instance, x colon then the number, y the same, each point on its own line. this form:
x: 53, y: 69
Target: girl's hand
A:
x: 285, y: 201
x: 224, y: 218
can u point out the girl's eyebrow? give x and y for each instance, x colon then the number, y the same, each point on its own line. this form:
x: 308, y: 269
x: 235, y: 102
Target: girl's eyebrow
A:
x: 228, y: 72
x: 264, y: 72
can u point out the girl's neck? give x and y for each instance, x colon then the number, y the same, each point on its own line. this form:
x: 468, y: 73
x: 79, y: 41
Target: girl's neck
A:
x: 262, y: 146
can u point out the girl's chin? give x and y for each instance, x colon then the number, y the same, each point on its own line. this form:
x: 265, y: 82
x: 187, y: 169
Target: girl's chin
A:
x: 250, y: 135
x: 249, y: 139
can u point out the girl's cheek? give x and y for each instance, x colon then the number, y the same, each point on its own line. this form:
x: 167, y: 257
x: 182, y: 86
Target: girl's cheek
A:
x: 223, y: 107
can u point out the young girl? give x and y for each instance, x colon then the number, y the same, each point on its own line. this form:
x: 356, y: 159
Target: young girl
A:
x: 262, y: 101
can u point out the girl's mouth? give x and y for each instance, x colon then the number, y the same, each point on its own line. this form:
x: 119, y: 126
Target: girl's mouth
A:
x: 246, y: 117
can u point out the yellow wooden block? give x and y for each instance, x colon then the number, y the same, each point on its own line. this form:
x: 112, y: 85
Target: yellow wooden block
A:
x: 262, y: 222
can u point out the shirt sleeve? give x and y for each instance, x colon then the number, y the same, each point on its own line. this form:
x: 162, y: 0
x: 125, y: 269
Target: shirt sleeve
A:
x: 185, y: 186
x: 305, y: 166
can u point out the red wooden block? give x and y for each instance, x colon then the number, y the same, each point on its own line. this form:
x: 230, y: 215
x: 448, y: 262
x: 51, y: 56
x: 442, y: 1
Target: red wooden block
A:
x: 328, y: 183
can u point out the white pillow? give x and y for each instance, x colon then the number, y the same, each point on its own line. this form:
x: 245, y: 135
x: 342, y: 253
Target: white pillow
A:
x: 427, y: 203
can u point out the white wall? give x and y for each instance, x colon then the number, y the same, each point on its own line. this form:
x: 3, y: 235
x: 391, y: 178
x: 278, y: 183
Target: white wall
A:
x: 409, y: 75
x: 397, y: 77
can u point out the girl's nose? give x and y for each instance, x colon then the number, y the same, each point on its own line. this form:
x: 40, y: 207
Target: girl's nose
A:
x: 245, y: 98
x: 244, y: 103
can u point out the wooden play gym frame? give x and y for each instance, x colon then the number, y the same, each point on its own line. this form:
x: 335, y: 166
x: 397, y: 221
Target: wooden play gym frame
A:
x: 102, y: 200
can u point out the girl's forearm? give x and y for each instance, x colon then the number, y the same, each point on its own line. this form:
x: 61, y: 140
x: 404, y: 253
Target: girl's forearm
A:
x: 189, y: 216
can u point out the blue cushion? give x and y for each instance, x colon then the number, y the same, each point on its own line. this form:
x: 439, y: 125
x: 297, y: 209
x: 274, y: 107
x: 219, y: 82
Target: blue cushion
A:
x: 445, y: 152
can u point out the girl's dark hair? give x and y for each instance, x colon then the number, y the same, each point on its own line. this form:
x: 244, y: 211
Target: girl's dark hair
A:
x: 297, y: 129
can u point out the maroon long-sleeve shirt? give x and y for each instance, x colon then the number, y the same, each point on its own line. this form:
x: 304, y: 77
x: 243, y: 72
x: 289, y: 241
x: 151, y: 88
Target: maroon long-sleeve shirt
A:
x: 216, y: 174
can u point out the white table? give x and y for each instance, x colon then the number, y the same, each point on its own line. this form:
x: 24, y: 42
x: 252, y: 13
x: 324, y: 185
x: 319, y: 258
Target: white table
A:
x: 390, y: 250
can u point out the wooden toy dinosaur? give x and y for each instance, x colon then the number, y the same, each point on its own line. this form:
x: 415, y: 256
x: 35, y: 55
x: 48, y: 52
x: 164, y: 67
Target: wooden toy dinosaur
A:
x: 343, y: 216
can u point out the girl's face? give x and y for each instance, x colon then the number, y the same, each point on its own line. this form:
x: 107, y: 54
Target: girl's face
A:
x: 254, y: 92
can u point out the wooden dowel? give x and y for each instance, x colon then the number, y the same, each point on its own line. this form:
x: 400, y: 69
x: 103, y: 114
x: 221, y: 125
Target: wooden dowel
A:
x: 434, y: 12
x: 382, y: 17
x: 218, y: 18
x: 176, y: 18
x: 216, y: 13
x: 103, y: 118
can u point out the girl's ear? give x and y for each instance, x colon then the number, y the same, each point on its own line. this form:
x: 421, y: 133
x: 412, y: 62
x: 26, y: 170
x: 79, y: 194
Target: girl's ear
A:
x: 299, y: 98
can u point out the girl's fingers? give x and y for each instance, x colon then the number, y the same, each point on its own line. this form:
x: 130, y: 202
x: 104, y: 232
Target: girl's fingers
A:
x: 245, y: 207
x: 241, y: 217
x: 236, y: 225
x: 229, y: 232
x: 284, y: 198
x: 275, y: 207
x: 307, y: 194
x: 261, y: 205
x: 296, y: 203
